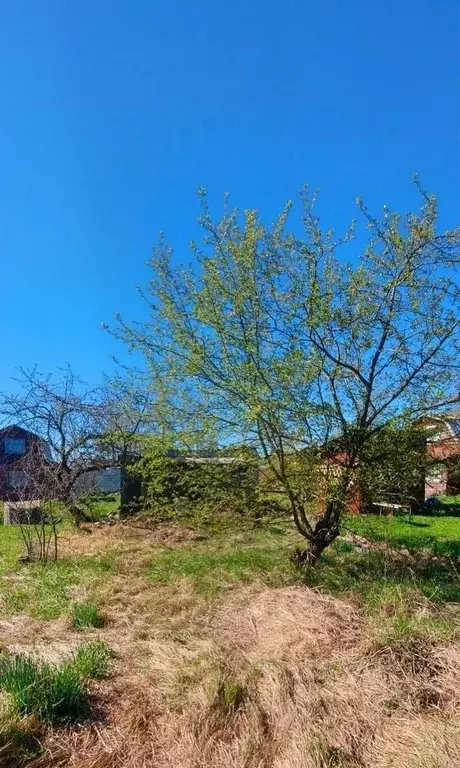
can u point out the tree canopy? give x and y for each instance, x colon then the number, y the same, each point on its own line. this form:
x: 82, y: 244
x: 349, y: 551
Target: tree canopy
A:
x: 286, y: 340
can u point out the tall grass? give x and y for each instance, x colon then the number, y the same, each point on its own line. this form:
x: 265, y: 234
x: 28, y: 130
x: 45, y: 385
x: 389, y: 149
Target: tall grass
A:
x: 92, y: 660
x: 50, y: 693
x: 86, y: 615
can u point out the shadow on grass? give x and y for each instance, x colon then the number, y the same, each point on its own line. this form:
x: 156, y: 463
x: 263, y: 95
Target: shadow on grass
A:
x: 417, y: 525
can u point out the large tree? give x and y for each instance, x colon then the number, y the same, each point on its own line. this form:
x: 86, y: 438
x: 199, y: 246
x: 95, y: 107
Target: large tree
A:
x: 289, y: 340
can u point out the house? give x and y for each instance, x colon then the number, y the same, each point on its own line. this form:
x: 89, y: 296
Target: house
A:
x: 21, y: 451
x: 443, y: 447
x: 439, y: 458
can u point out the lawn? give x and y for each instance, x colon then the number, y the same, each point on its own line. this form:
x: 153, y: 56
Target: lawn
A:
x: 439, y: 534
x: 219, y: 638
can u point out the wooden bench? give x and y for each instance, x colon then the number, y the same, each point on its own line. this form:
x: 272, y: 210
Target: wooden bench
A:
x: 387, y: 509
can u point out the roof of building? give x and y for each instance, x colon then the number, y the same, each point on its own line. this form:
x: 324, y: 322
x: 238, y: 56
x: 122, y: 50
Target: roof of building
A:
x: 17, y: 428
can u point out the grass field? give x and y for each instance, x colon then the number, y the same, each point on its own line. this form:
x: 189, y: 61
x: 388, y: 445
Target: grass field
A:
x: 441, y: 535
x: 225, y: 654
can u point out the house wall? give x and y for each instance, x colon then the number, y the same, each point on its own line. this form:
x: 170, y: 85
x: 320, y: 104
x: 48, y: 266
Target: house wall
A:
x: 13, y: 462
x: 436, y: 482
x: 442, y: 478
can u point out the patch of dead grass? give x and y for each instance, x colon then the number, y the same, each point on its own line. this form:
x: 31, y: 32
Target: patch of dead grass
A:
x: 93, y: 538
x: 287, y: 623
x: 253, y: 677
x: 262, y: 678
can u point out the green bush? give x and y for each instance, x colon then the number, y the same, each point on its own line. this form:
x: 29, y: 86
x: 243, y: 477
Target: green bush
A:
x: 201, y: 488
x: 51, y: 694
x: 92, y: 660
x: 86, y: 615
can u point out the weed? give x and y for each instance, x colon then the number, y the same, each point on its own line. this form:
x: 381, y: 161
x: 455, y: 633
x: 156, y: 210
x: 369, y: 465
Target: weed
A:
x: 230, y: 695
x: 20, y: 741
x: 51, y: 694
x: 92, y: 660
x: 326, y: 756
x: 86, y: 615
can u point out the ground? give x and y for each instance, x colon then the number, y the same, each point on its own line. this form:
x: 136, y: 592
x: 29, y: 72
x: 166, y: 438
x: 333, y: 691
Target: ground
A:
x: 225, y: 655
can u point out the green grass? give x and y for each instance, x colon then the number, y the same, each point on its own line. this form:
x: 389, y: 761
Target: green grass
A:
x: 402, y: 601
x: 212, y: 571
x: 11, y: 543
x: 376, y: 574
x: 441, y: 535
x: 449, y: 505
x: 43, y: 591
x: 92, y: 660
x: 53, y: 694
x: 100, y: 505
x: 86, y: 615
x: 11, y: 547
x: 382, y: 583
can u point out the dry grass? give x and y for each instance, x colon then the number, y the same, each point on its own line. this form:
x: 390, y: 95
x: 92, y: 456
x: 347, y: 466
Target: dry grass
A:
x: 93, y: 538
x: 275, y: 678
x: 254, y: 677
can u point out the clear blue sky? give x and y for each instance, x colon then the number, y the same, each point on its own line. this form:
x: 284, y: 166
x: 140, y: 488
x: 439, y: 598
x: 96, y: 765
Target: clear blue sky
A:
x: 112, y: 113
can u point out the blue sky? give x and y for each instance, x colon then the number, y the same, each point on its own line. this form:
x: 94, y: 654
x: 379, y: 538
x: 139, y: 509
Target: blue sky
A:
x: 112, y: 113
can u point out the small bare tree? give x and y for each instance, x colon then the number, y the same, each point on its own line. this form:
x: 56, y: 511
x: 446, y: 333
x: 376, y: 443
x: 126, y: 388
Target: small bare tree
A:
x: 74, y: 423
x: 35, y: 486
x: 85, y: 430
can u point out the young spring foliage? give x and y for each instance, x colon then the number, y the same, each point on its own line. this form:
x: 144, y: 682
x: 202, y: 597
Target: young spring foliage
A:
x: 286, y: 339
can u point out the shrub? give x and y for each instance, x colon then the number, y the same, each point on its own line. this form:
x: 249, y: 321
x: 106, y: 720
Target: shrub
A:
x: 92, y: 660
x: 52, y: 694
x: 202, y: 488
x: 86, y: 615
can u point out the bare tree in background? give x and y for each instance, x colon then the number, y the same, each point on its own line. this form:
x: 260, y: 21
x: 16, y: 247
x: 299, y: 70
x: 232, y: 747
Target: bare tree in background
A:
x: 72, y: 419
x: 85, y: 429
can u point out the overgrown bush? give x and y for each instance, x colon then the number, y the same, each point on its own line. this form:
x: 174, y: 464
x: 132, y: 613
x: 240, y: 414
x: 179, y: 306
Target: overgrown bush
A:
x: 204, y: 488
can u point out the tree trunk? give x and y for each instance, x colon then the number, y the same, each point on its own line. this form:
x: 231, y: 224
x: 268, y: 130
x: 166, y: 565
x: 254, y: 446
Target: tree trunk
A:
x: 309, y: 557
x: 324, y: 533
